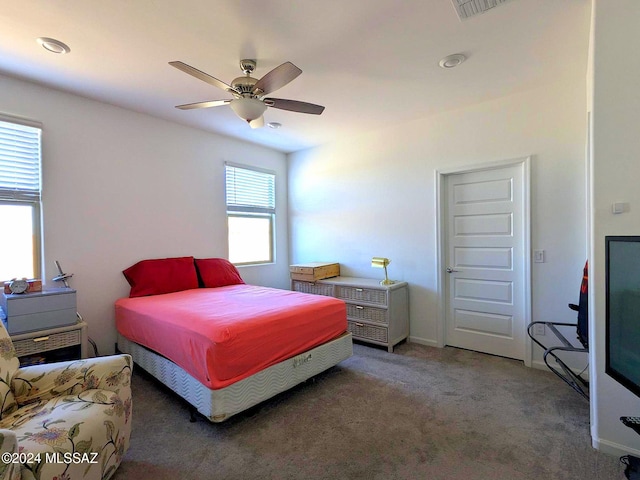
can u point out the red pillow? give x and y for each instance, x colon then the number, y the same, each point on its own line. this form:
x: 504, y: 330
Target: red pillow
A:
x: 162, y: 275
x: 218, y: 272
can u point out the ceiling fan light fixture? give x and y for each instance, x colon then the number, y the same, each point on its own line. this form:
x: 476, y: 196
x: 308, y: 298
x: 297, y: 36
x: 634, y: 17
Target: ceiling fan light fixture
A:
x: 53, y: 45
x: 248, y: 108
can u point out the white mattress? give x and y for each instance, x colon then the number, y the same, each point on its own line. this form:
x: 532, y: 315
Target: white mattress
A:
x: 219, y: 405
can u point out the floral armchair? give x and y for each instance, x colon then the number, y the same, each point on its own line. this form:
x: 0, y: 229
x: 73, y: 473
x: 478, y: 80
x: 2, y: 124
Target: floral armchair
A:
x: 63, y: 421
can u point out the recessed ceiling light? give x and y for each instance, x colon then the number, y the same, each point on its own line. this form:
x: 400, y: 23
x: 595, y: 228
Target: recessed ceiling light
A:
x: 452, y: 61
x: 53, y: 45
x: 274, y: 125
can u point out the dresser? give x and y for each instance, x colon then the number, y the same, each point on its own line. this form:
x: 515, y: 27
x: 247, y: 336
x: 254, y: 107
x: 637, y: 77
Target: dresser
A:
x: 377, y: 314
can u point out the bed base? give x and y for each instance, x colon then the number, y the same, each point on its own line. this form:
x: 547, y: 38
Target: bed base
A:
x: 219, y: 405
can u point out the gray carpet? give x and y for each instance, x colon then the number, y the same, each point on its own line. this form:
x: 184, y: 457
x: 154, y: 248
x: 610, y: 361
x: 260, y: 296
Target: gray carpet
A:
x: 419, y: 413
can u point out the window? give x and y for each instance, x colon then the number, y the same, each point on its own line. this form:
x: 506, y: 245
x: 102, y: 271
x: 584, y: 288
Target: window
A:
x: 19, y: 199
x: 251, y: 208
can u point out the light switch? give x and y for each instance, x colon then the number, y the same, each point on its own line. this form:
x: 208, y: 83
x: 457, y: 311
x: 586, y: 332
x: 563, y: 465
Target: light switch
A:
x: 538, y: 256
x: 620, y: 207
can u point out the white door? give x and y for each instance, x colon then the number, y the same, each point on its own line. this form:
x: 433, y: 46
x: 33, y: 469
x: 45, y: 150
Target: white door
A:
x: 485, y: 261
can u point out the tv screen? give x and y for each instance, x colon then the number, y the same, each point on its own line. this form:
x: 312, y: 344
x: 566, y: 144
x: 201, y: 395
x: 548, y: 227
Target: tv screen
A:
x: 623, y: 310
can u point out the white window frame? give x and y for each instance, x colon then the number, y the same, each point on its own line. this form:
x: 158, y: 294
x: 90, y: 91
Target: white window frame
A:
x: 21, y: 174
x: 250, y: 193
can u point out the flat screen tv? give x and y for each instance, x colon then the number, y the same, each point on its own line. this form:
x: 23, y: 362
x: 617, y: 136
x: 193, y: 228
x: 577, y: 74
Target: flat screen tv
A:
x: 623, y: 310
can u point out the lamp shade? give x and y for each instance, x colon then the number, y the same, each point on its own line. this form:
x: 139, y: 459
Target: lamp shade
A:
x: 248, y: 108
x: 380, y: 262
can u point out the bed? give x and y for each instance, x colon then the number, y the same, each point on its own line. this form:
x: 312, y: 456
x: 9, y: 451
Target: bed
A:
x: 220, y: 344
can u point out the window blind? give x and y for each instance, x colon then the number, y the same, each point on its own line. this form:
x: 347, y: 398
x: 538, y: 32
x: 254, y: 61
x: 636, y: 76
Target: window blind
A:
x: 249, y: 190
x: 19, y: 162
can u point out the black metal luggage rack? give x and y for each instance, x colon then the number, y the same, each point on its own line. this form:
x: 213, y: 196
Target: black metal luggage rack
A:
x: 632, y: 469
x: 574, y: 380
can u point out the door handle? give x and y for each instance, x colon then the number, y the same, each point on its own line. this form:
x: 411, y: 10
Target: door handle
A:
x: 451, y: 270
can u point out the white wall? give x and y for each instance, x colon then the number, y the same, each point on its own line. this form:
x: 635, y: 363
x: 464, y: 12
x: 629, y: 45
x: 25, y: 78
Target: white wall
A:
x: 373, y: 195
x: 120, y: 186
x: 616, y: 174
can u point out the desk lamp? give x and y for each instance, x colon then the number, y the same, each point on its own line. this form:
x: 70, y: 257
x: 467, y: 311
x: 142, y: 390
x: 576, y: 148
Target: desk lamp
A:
x: 381, y: 262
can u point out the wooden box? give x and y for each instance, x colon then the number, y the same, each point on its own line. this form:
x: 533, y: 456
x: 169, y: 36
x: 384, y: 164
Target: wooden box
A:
x: 310, y: 272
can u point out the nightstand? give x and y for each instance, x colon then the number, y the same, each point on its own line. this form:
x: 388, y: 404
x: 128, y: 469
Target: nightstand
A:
x: 52, y: 344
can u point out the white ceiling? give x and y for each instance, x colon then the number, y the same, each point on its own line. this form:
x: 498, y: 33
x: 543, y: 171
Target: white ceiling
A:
x: 371, y: 63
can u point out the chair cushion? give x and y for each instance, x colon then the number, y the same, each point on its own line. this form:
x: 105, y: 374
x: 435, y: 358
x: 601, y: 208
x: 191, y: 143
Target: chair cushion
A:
x: 90, y: 429
x: 9, y: 364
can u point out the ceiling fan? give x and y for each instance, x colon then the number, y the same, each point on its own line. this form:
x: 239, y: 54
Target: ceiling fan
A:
x: 249, y: 101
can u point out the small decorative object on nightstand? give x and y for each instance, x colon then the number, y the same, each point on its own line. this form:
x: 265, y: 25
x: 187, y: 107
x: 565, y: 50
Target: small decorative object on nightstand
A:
x: 62, y: 277
x: 18, y: 285
x: 23, y: 285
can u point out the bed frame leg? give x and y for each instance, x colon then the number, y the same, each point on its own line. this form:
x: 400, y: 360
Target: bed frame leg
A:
x: 192, y: 415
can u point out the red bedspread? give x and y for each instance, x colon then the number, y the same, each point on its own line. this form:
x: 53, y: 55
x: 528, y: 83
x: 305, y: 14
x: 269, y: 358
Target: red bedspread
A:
x: 222, y: 335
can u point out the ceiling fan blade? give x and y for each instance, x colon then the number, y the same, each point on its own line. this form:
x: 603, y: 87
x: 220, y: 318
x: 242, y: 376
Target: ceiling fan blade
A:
x: 294, y: 106
x: 257, y: 123
x: 205, y: 77
x: 276, y: 78
x: 212, y: 103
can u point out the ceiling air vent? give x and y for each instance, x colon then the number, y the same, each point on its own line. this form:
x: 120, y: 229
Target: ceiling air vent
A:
x: 471, y: 8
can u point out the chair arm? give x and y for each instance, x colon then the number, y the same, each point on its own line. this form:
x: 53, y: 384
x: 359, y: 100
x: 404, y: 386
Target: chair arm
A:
x: 43, y: 382
x: 9, y: 444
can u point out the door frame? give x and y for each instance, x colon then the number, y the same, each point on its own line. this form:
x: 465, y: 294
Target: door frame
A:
x: 441, y: 238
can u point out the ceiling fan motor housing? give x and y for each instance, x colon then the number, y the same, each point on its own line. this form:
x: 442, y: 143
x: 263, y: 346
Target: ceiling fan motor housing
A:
x: 244, y: 85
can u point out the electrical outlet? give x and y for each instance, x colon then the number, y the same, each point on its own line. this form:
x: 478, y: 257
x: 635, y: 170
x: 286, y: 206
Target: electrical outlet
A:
x: 539, y: 330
